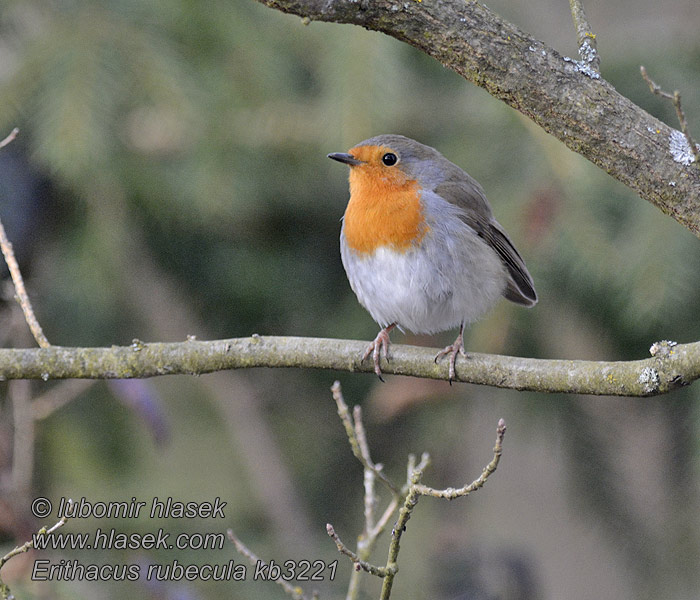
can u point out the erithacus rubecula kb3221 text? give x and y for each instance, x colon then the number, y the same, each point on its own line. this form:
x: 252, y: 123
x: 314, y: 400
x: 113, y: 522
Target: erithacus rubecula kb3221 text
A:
x: 420, y: 245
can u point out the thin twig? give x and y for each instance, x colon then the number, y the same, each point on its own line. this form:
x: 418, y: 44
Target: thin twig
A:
x: 408, y: 498
x: 366, y: 541
x: 384, y: 519
x: 26, y: 547
x: 423, y: 464
x: 369, y: 474
x: 655, y: 89
x: 351, y: 429
x: 30, y: 544
x: 676, y: 99
x: 359, y: 563
x: 587, y: 46
x: 370, y: 499
x: 416, y: 489
x: 20, y: 290
x: 410, y: 467
x: 452, y: 493
x: 409, y: 503
x: 295, y: 592
x: 16, y: 274
x: 360, y: 432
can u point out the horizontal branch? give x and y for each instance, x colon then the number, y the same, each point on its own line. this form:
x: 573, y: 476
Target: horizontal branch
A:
x: 560, y: 94
x: 672, y: 365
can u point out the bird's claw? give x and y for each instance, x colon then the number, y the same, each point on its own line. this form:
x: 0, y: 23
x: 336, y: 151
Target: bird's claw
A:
x: 452, y: 350
x: 379, y: 345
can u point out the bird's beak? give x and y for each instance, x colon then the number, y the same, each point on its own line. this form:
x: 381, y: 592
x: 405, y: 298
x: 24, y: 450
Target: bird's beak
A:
x: 346, y: 158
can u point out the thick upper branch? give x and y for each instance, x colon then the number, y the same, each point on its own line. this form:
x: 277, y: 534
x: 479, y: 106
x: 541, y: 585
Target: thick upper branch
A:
x: 587, y: 114
x: 672, y: 366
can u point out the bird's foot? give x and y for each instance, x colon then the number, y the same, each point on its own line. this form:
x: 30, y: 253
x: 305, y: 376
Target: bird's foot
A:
x: 453, y: 350
x: 379, y: 345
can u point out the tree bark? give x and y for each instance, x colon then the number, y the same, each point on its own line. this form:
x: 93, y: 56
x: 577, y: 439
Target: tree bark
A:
x: 584, y: 112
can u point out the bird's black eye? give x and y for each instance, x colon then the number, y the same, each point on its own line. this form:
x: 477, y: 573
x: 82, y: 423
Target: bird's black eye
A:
x: 390, y: 159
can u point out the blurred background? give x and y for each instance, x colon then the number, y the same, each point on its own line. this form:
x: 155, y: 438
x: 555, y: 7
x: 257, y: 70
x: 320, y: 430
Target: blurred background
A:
x: 170, y: 179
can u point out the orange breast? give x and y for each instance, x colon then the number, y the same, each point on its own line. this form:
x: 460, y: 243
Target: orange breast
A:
x: 384, y: 210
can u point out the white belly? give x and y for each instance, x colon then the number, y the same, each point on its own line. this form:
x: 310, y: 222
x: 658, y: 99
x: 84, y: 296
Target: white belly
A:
x: 453, y: 277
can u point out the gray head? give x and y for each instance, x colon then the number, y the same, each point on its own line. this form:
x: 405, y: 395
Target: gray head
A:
x: 416, y: 160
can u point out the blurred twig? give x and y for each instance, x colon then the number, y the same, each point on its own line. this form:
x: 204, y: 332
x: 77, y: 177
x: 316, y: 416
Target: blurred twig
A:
x: 16, y: 274
x: 11, y: 136
x: 676, y: 99
x: 23, y: 440
x: 58, y: 396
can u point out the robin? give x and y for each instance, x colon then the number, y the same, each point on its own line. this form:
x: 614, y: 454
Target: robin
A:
x: 420, y: 246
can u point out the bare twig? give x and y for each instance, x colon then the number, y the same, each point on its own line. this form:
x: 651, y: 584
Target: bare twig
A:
x: 416, y: 489
x: 20, y: 290
x: 26, y: 547
x: 452, y: 493
x: 360, y: 432
x: 359, y: 563
x: 16, y: 274
x: 295, y: 592
x: 422, y: 465
x: 384, y: 519
x: 359, y: 448
x: 410, y: 495
x: 587, y: 46
x: 676, y: 99
x: 366, y: 541
x: 30, y: 544
x: 410, y: 501
x: 370, y: 499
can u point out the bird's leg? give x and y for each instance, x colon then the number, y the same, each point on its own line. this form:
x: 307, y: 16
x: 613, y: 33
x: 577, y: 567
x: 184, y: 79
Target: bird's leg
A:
x: 453, y: 350
x: 381, y: 342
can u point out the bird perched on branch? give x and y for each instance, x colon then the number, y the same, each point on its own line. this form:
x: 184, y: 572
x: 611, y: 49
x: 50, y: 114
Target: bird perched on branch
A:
x: 420, y: 245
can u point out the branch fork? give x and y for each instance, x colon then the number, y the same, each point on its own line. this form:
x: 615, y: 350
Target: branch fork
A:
x: 404, y: 498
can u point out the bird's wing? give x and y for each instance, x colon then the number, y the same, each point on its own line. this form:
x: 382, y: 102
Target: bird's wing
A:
x: 468, y: 195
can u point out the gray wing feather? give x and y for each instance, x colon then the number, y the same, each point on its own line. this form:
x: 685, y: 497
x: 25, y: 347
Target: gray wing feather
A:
x: 468, y: 195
